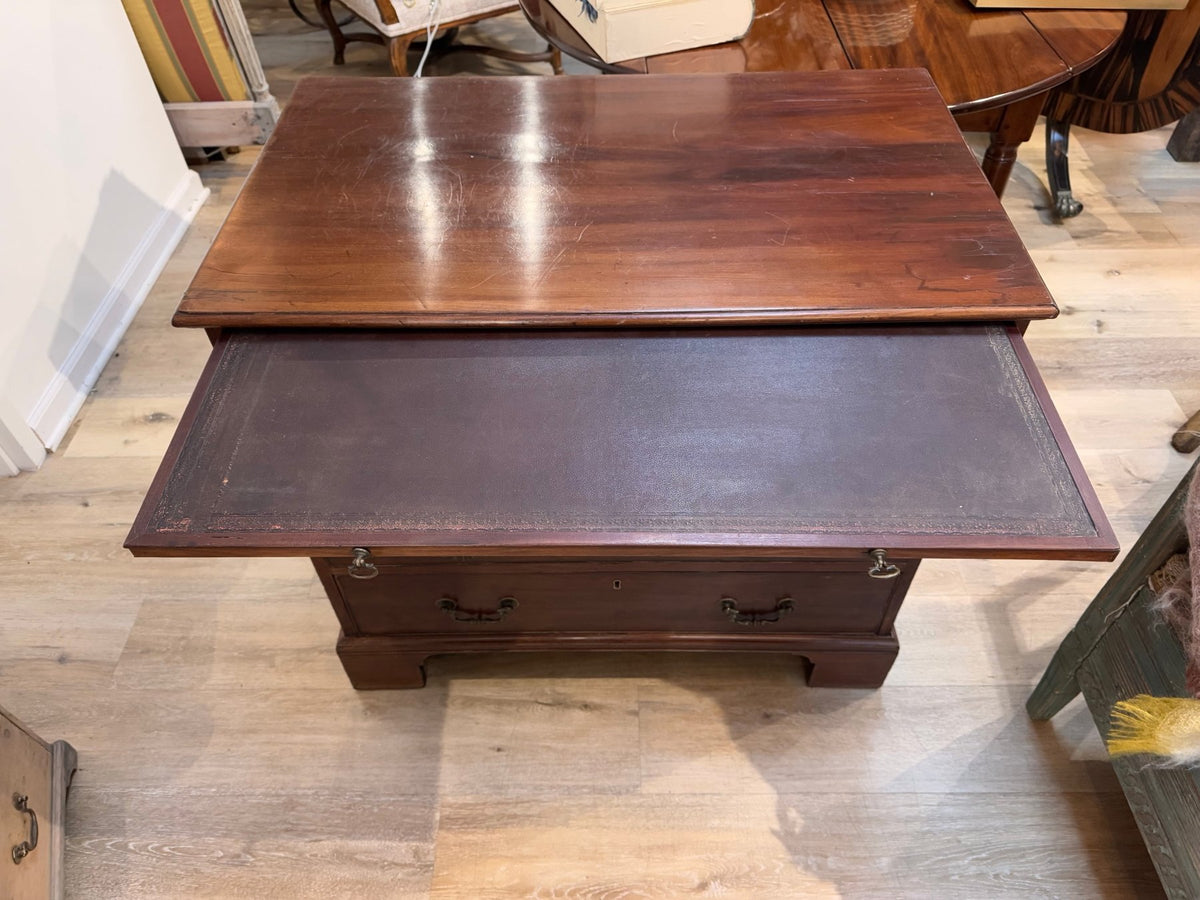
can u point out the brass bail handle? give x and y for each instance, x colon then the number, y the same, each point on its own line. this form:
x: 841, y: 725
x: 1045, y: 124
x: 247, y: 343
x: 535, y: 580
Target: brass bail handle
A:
x: 882, y: 568
x: 362, y: 568
x: 450, y: 607
x: 783, y: 606
x: 23, y: 849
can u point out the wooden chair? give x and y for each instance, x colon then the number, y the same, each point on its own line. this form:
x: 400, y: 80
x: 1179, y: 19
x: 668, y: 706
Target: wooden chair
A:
x: 1150, y: 79
x: 1120, y: 648
x: 205, y: 66
x: 397, y: 23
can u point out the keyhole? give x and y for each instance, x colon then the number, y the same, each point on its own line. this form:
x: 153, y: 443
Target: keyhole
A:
x: 616, y: 584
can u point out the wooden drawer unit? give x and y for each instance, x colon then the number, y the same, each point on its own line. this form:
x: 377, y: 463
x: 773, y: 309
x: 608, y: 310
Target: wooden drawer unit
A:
x: 816, y: 596
x: 402, y: 612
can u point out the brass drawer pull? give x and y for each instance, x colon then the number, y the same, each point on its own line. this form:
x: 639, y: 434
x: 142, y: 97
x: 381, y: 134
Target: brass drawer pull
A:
x: 362, y: 568
x: 449, y: 606
x: 23, y: 849
x: 782, y: 608
x: 882, y: 568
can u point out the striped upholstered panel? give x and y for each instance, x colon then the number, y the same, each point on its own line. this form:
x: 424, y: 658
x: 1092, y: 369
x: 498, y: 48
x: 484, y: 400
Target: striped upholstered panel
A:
x: 186, y: 50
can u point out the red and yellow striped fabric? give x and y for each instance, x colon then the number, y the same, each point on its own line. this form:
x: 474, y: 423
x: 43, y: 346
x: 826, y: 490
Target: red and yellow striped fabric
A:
x: 186, y: 50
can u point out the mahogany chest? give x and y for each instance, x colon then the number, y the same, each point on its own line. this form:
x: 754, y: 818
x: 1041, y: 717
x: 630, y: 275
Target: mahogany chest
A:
x: 604, y: 363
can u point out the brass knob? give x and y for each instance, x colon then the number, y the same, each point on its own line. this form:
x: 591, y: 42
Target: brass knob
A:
x: 362, y: 568
x: 882, y: 568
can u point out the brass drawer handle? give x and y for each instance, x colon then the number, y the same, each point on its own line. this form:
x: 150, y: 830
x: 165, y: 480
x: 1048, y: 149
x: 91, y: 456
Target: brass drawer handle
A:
x: 882, y: 568
x: 362, y: 568
x: 449, y: 606
x: 782, y: 608
x: 23, y: 849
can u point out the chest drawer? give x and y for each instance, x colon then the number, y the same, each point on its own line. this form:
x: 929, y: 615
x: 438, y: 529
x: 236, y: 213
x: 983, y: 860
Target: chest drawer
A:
x: 809, y: 596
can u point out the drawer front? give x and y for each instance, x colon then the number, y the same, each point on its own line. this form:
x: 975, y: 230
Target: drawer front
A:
x: 813, y: 597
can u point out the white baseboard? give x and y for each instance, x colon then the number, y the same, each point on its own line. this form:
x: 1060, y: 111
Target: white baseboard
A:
x: 20, y: 448
x: 8, y: 466
x: 61, y: 400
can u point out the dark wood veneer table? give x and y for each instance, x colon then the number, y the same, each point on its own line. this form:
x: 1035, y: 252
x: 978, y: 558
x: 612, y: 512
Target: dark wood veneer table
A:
x: 993, y: 67
x: 695, y: 362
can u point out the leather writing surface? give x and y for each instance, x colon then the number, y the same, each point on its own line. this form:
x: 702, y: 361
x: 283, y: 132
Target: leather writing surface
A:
x: 730, y: 437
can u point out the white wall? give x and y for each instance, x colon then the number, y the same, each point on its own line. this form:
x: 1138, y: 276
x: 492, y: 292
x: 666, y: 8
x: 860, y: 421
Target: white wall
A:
x: 94, y: 195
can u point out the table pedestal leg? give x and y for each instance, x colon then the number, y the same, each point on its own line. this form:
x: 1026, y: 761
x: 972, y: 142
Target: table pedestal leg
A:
x: 1010, y: 127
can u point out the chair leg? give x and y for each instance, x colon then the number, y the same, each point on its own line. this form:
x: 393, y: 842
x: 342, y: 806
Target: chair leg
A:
x: 1187, y: 438
x: 1184, y: 145
x: 1059, y: 683
x: 555, y: 59
x: 1058, y: 135
x: 398, y: 53
x: 335, y: 32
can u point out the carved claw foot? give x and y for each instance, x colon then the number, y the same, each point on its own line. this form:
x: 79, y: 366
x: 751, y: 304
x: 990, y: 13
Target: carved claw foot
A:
x: 1066, y: 206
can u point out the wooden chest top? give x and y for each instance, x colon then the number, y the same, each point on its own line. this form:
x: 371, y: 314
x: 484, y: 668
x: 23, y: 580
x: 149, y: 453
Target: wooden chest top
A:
x: 824, y: 197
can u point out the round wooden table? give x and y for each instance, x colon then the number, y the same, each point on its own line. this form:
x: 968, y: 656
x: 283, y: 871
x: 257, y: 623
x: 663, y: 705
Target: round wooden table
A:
x: 993, y: 67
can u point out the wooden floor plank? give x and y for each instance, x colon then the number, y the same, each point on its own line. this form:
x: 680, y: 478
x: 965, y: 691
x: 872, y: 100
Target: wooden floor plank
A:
x: 787, y: 846
x: 252, y: 844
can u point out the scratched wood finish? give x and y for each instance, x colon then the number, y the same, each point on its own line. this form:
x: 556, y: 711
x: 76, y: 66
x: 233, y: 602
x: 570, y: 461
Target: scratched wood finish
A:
x: 769, y: 198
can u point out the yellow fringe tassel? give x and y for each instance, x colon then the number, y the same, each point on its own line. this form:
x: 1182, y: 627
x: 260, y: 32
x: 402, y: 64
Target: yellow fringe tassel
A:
x: 1164, y: 726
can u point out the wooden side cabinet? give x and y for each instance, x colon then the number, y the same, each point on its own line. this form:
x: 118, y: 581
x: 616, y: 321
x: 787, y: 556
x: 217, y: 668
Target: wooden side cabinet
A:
x: 34, y: 777
x: 1119, y: 648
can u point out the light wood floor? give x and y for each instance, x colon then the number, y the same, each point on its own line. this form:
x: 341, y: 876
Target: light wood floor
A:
x: 223, y: 754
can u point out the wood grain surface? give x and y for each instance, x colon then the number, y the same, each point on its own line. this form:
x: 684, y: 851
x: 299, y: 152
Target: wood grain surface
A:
x: 777, y: 197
